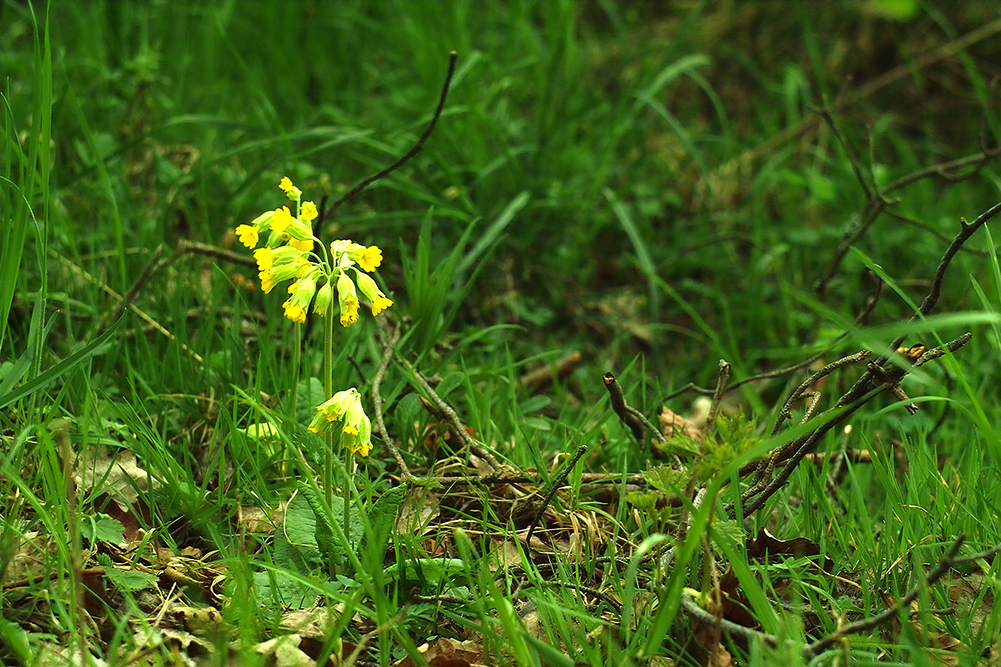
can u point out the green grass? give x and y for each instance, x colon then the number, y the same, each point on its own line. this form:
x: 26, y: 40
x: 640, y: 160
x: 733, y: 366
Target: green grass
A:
x: 649, y: 185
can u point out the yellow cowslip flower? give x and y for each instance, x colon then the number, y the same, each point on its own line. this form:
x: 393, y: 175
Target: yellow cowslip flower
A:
x: 268, y: 257
x: 348, y: 298
x: 308, y: 212
x: 356, y: 431
x: 300, y: 235
x: 281, y: 219
x: 380, y: 304
x: 373, y: 293
x: 304, y: 245
x: 292, y: 192
x: 287, y: 254
x: 301, y: 291
x: 298, y: 230
x: 265, y: 258
x: 267, y: 282
x: 294, y: 312
x: 349, y: 312
x: 301, y: 264
x: 345, y: 252
x: 370, y: 258
x: 248, y: 235
x: 285, y: 269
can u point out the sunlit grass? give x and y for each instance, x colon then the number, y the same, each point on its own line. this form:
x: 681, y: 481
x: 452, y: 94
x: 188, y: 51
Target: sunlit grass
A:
x: 637, y: 185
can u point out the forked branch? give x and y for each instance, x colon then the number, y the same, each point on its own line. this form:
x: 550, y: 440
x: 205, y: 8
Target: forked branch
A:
x: 418, y: 147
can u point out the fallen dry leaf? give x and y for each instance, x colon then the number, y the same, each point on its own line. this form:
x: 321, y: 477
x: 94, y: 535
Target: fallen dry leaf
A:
x: 672, y: 424
x: 444, y: 652
x: 120, y: 474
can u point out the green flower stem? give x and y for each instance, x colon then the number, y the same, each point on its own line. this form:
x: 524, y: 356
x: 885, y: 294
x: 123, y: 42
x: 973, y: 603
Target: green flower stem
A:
x: 296, y: 362
x: 328, y: 390
x: 348, y: 469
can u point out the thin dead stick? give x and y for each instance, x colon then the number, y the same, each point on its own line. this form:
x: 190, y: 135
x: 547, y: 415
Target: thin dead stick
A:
x: 942, y: 169
x: 811, y: 651
x: 855, y: 229
x: 440, y: 417
x: 131, y: 306
x: 139, y: 283
x: 803, y: 446
x: 714, y: 407
x: 418, y: 147
x: 870, y: 304
x: 590, y: 478
x: 590, y: 590
x: 817, y: 647
x: 786, y: 410
x: 868, y: 387
x: 542, y: 377
x: 983, y: 555
x: 23, y: 583
x: 928, y: 228
x: 766, y: 467
x: 453, y: 418
x: 557, y: 483
x: 733, y: 629
x: 966, y: 231
x: 388, y: 346
x: 888, y: 375
x: 185, y: 247
x: 630, y: 416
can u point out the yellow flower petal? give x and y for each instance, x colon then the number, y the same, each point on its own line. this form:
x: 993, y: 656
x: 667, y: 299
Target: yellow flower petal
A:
x: 267, y: 281
x: 380, y: 304
x: 248, y: 235
x: 265, y: 258
x: 308, y: 212
x: 349, y: 312
x: 281, y: 219
x: 305, y: 246
x: 370, y: 258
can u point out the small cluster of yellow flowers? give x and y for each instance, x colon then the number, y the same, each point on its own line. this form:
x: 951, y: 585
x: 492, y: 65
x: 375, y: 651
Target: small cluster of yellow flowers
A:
x: 288, y: 255
x: 345, y: 406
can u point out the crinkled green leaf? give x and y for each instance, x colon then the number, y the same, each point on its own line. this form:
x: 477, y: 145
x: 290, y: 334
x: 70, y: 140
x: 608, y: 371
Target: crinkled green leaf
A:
x: 309, y: 394
x: 679, y: 445
x: 734, y: 436
x: 667, y: 480
x: 643, y: 501
x: 126, y: 580
x: 382, y: 516
x: 332, y: 549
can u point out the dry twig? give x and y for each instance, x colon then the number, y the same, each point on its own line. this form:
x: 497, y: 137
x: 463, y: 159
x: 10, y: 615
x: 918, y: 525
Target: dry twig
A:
x: 630, y: 416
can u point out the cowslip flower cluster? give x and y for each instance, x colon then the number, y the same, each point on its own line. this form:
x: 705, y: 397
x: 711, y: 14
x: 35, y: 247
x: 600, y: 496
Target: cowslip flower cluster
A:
x: 289, y: 254
x: 356, y: 430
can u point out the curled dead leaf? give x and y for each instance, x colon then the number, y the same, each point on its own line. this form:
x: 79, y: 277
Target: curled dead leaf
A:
x: 672, y: 424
